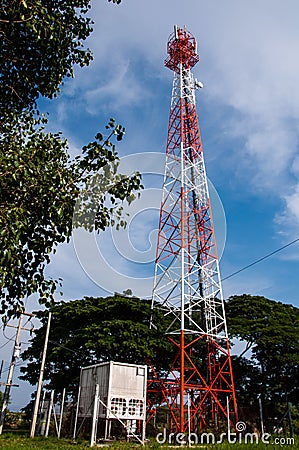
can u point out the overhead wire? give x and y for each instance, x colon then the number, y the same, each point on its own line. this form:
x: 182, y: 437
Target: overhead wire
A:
x: 268, y: 255
x: 7, y: 342
x: 8, y: 338
x: 260, y: 259
x: 16, y: 365
x: 67, y: 348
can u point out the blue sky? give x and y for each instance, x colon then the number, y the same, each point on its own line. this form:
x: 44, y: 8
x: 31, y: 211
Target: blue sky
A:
x: 249, y: 119
x: 248, y: 112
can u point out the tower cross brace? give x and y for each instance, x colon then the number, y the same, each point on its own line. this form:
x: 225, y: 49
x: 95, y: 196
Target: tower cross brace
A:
x: 198, y: 388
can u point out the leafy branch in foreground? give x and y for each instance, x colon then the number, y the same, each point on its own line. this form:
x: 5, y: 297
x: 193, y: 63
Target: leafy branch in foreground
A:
x: 40, y: 184
x: 41, y: 42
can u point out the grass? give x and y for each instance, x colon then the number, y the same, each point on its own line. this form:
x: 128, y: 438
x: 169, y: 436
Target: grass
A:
x: 18, y: 441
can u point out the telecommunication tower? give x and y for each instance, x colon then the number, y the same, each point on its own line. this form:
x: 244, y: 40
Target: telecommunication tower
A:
x: 198, y: 388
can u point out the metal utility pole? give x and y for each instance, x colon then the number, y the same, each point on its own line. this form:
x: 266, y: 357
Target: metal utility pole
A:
x: 261, y: 415
x: 15, y: 355
x: 187, y: 283
x: 40, y: 381
x: 290, y: 420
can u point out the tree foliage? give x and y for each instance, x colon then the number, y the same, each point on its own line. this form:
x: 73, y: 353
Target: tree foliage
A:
x: 39, y: 182
x: 270, y: 331
x: 117, y: 328
x: 40, y: 185
x: 95, y: 330
x: 41, y: 42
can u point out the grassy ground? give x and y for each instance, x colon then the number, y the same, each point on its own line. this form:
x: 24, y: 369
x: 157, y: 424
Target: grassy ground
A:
x: 23, y: 442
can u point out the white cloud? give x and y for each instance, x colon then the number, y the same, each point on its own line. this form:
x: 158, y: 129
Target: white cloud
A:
x: 121, y: 89
x: 249, y: 63
x: 257, y: 75
x: 291, y: 214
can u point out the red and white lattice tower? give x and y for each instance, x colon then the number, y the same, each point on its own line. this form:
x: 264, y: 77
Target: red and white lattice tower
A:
x: 198, y: 389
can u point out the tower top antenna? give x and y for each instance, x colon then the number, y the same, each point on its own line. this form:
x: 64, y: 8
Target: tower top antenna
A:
x: 181, y: 49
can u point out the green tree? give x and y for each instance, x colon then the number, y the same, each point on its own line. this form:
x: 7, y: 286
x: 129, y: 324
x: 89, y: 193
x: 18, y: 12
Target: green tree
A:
x: 117, y: 328
x: 41, y: 41
x: 39, y: 182
x: 270, y: 331
x: 40, y: 185
x: 95, y: 330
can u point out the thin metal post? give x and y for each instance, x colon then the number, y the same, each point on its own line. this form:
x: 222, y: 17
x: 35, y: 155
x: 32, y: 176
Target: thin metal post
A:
x: 42, y: 421
x: 261, y: 415
x: 61, y: 413
x: 106, y: 428
x: 15, y: 355
x: 95, y: 417
x: 77, y: 412
x: 49, y: 413
x: 189, y: 420
x: 55, y: 418
x: 182, y: 382
x: 228, y: 419
x: 290, y: 420
x: 40, y: 381
x: 143, y: 431
x: 109, y: 429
